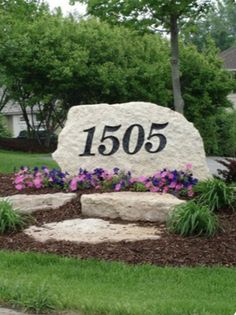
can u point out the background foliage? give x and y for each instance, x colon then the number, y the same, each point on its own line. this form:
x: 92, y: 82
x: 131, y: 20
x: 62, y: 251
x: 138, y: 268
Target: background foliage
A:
x: 55, y: 62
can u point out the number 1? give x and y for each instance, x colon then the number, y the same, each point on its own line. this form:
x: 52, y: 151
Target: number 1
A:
x: 89, y: 142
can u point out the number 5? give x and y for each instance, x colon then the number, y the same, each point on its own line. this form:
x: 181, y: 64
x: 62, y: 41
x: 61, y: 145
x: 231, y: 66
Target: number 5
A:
x: 152, y: 134
x: 115, y: 141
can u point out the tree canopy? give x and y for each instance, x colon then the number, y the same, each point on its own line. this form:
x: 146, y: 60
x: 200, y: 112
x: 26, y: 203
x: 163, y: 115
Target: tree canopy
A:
x: 56, y: 62
x: 219, y: 24
x: 147, y: 15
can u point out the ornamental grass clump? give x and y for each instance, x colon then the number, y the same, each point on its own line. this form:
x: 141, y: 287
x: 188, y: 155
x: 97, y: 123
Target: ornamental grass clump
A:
x: 10, y: 221
x: 192, y: 218
x: 216, y: 194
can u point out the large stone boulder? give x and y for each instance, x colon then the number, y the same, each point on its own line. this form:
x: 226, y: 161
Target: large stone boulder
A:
x: 130, y: 206
x: 139, y: 137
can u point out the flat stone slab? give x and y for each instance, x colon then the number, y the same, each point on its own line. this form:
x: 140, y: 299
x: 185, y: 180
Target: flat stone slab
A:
x: 92, y: 231
x: 130, y: 206
x: 32, y: 203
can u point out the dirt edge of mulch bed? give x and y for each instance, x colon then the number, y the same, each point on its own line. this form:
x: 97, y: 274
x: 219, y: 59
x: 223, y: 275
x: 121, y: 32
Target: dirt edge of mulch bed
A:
x: 169, y: 250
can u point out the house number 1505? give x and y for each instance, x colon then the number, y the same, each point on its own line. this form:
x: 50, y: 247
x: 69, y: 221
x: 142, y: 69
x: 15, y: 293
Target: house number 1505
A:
x: 159, y: 140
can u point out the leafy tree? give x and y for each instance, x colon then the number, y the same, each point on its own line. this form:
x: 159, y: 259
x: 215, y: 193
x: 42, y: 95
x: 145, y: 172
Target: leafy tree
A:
x: 147, y: 14
x: 205, y: 88
x: 122, y: 65
x: 14, y: 16
x: 55, y: 62
x: 219, y: 24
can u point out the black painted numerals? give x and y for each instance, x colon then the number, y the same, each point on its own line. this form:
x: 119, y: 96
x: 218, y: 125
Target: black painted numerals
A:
x: 115, y: 141
x: 140, y: 139
x: 158, y: 144
x: 89, y: 141
x: 159, y: 136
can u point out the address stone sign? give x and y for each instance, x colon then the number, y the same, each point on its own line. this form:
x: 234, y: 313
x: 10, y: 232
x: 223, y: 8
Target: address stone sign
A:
x: 140, y: 137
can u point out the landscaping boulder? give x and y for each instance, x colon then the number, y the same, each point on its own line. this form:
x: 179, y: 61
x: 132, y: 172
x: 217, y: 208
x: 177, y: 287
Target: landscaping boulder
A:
x: 31, y: 203
x: 92, y: 231
x: 130, y: 206
x: 139, y: 137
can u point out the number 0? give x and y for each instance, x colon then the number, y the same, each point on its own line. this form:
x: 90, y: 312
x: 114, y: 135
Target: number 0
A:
x: 140, y: 140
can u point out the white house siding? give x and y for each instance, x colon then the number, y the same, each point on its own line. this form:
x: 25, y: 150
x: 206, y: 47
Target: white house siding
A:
x: 18, y: 123
x: 15, y: 120
x: 232, y: 98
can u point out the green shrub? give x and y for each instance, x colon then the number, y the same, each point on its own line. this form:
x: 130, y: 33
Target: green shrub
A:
x: 226, y: 133
x: 218, y: 132
x: 10, y: 220
x: 192, y: 219
x: 215, y: 193
x: 4, y: 133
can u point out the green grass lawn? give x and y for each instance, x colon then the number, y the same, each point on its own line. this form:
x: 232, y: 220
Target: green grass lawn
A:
x: 38, y: 282
x: 10, y: 160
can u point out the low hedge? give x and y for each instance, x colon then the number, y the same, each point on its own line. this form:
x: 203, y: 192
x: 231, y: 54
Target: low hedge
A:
x: 25, y: 145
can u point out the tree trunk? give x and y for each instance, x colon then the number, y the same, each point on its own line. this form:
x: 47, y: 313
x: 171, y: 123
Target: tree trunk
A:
x: 4, y: 98
x: 174, y: 32
x: 26, y: 118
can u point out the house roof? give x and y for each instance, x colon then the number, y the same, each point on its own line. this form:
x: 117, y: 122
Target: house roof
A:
x: 14, y: 109
x: 11, y: 109
x: 229, y: 58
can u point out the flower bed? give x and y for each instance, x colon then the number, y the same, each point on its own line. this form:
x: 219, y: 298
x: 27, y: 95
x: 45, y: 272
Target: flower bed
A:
x: 176, y: 182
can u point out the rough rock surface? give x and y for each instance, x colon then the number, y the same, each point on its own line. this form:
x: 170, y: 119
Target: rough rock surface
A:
x: 145, y: 138
x: 91, y: 231
x: 31, y: 203
x: 130, y: 206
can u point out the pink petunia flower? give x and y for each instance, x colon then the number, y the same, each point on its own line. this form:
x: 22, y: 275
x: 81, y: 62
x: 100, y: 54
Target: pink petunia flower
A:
x: 142, y: 179
x: 73, y: 184
x: 19, y: 179
x: 37, y: 183
x: 19, y: 186
x: 118, y: 187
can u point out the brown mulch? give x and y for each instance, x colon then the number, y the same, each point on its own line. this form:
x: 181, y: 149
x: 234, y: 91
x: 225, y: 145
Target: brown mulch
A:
x: 170, y: 249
